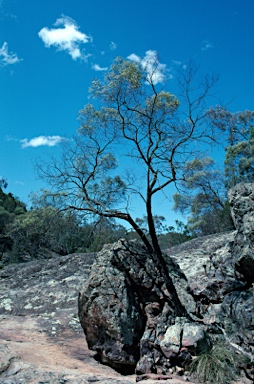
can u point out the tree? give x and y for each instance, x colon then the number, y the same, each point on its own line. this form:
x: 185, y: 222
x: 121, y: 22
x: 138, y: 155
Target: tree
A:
x: 3, y: 183
x: 39, y: 232
x: 148, y: 129
x: 89, y: 236
x: 239, y: 159
x: 168, y: 236
x: 10, y: 207
x: 204, y: 191
x: 101, y: 232
x: 203, y: 196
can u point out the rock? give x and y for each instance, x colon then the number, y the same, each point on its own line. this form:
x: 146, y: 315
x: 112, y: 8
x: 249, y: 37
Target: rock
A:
x: 186, y: 336
x: 110, y: 314
x: 223, y: 290
x: 241, y: 199
x: 43, y: 286
x: 125, y: 305
x: 153, y: 377
x: 13, y: 369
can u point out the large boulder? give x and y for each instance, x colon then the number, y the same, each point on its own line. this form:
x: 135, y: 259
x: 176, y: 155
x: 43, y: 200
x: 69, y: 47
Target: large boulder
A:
x: 110, y: 313
x: 126, y: 309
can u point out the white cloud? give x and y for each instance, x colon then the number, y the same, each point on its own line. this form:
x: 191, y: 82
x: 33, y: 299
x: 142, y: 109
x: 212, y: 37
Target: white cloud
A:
x: 206, y: 45
x: 179, y: 64
x: 7, y: 58
x: 134, y: 57
x: 112, y: 46
x: 97, y: 67
x: 66, y: 37
x: 39, y: 141
x: 156, y: 72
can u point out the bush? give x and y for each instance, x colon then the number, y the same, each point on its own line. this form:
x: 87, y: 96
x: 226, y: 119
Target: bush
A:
x: 216, y: 366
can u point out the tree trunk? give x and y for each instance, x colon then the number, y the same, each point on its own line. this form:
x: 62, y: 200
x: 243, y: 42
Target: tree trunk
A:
x: 161, y: 263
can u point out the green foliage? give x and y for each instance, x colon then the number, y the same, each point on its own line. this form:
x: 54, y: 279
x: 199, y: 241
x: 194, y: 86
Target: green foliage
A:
x: 239, y: 159
x: 168, y: 236
x: 239, y: 162
x: 142, y: 128
x: 203, y: 198
x: 10, y: 208
x: 42, y: 230
x: 159, y: 222
x: 45, y: 230
x: 204, y: 195
x: 175, y: 235
x: 3, y: 183
x: 215, y: 366
x: 102, y: 232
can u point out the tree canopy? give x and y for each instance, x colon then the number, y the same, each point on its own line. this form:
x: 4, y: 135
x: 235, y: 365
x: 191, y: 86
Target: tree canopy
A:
x: 239, y: 159
x: 10, y: 208
x: 133, y: 141
x: 203, y: 197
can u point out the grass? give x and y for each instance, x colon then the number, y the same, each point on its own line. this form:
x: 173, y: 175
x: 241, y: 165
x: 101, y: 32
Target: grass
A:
x: 216, y: 366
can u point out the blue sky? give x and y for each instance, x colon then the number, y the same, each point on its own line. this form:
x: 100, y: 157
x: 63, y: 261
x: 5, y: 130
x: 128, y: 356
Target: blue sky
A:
x: 51, y: 50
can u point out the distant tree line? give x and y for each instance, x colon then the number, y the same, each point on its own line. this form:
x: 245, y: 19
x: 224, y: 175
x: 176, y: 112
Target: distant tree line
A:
x: 43, y: 231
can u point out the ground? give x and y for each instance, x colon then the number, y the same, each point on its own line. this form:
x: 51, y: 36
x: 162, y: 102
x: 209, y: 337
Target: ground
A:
x: 40, y: 350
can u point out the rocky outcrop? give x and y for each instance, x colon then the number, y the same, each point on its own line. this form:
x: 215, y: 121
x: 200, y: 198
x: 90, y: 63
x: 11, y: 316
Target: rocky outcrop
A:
x: 241, y: 199
x: 223, y: 288
x: 126, y: 311
x: 43, y: 286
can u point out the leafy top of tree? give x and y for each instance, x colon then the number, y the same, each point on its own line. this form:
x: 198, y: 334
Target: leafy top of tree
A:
x: 3, y: 183
x: 134, y: 120
x: 9, y: 208
x: 203, y: 196
x: 41, y: 230
x: 204, y: 190
x: 239, y: 160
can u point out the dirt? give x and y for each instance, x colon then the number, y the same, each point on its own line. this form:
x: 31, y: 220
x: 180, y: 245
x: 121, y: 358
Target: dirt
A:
x: 63, y: 355
x: 34, y: 351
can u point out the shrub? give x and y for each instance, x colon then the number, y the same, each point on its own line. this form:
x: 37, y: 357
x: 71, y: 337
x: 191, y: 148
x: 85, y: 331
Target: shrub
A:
x: 216, y: 366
